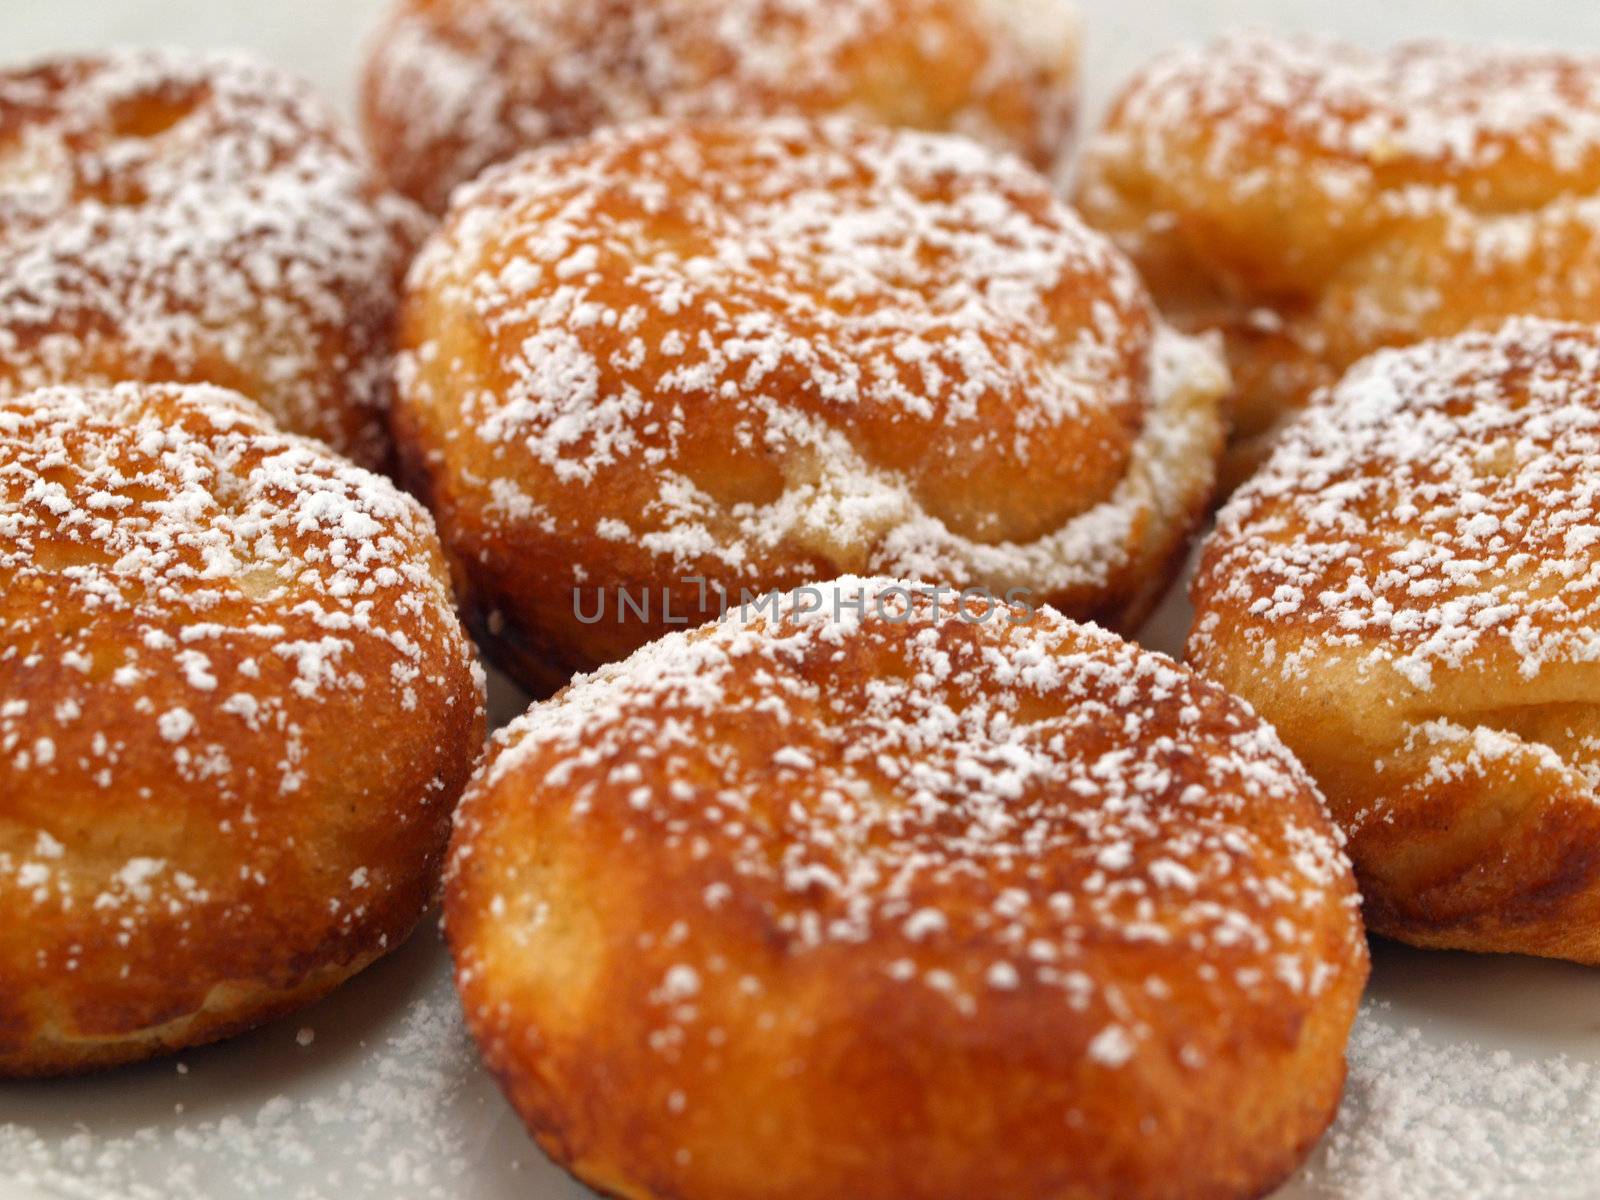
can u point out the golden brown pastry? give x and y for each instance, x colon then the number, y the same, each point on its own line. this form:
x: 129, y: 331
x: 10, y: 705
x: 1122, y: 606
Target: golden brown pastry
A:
x: 1410, y: 592
x: 857, y: 896
x: 1317, y: 201
x: 690, y: 360
x: 454, y: 86
x: 170, y: 217
x: 236, y: 709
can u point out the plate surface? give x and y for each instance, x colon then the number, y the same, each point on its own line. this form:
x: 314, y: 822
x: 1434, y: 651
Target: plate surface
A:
x: 1470, y: 1076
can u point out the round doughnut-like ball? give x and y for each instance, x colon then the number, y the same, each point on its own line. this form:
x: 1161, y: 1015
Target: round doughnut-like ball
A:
x: 1318, y: 201
x: 681, y: 362
x: 1410, y: 592
x: 236, y: 710
x: 179, y: 218
x: 454, y: 86
x: 864, y: 895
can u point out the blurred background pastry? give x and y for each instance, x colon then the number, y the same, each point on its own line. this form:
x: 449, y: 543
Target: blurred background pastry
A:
x: 176, y: 217
x: 1316, y: 200
x: 454, y: 86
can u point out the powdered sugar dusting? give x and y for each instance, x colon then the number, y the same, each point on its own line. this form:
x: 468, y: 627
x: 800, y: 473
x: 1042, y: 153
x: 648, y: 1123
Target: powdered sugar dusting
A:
x: 1442, y: 503
x: 922, y: 361
x: 985, y: 806
x: 195, y: 218
x: 183, y: 591
x: 456, y: 87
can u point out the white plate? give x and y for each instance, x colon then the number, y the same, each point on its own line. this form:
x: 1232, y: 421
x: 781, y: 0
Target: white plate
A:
x: 375, y: 1094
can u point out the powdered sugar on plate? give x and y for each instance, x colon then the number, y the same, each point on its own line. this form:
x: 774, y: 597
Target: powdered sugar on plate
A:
x: 390, y: 1101
x: 1424, y: 1119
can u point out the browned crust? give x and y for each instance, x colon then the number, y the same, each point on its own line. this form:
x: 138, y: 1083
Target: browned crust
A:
x: 230, y: 1009
x: 1501, y: 858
